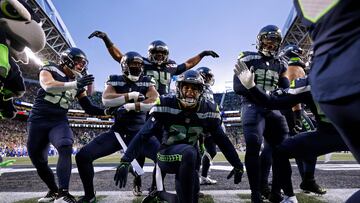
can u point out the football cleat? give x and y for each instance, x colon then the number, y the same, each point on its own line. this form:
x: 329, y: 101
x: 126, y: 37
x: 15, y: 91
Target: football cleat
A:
x: 65, y: 198
x: 312, y: 186
x: 137, y: 186
x: 265, y: 192
x: 84, y: 199
x: 49, y: 197
x: 207, y: 181
x: 152, y: 198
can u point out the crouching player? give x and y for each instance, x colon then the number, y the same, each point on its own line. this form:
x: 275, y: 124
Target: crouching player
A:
x: 182, y: 118
x: 123, y: 92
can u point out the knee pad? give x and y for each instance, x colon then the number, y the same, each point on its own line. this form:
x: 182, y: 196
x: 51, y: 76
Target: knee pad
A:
x: 65, y: 150
x: 280, y: 151
x: 252, y: 148
x: 83, y: 156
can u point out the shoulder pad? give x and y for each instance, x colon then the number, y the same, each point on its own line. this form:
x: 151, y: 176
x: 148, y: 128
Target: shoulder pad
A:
x: 299, y: 85
x: 171, y: 62
x: 114, y: 78
x: 248, y: 56
x: 50, y: 66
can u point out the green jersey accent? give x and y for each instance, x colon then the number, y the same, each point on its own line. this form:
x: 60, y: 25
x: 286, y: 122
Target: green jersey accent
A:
x: 178, y: 133
x: 63, y: 100
x: 314, y: 10
x: 160, y: 77
x: 169, y: 157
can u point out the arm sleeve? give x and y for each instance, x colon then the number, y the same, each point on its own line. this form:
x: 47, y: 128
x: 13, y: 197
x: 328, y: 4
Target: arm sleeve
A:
x: 284, y: 82
x: 90, y: 108
x: 150, y: 128
x: 239, y: 88
x: 180, y: 69
x: 226, y: 146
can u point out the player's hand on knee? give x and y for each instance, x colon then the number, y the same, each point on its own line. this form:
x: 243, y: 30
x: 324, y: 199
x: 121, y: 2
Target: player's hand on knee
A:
x: 121, y: 174
x: 237, y: 173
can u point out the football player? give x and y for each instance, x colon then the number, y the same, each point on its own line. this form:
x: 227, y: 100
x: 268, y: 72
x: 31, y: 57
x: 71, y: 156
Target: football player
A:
x: 323, y: 140
x: 257, y: 121
x: 157, y: 64
x: 126, y: 93
x: 48, y: 124
x: 182, y: 117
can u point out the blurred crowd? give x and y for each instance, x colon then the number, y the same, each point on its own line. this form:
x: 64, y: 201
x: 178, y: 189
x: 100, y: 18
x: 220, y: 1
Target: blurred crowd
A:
x: 13, y: 133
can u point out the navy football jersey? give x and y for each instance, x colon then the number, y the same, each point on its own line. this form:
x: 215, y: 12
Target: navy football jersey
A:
x: 162, y: 74
x: 267, y: 72
x: 131, y: 120
x: 331, y: 23
x: 335, y: 31
x: 52, y: 106
x: 184, y: 126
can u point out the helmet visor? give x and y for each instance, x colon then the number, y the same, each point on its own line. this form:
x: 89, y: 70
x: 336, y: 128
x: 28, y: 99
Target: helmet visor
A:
x: 135, y: 68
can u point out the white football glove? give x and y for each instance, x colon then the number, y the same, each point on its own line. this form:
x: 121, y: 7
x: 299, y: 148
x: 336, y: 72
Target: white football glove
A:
x: 245, y: 75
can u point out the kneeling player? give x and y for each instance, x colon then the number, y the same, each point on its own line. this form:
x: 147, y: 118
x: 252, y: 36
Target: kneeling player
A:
x: 183, y: 118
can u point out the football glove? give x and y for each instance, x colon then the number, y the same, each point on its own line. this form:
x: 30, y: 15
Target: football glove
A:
x: 84, y: 81
x: 209, y: 53
x: 121, y: 174
x: 237, y: 173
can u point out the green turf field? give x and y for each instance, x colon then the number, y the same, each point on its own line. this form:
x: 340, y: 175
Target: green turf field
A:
x: 208, y: 199
x: 114, y: 158
x: 301, y: 197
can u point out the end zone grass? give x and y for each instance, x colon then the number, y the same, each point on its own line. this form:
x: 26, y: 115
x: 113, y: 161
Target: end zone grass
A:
x: 205, y: 199
x: 35, y: 199
x: 115, y: 158
x: 301, y: 197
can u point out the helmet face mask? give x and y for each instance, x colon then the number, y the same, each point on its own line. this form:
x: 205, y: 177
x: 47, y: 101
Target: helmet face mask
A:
x: 158, y: 52
x: 269, y: 40
x: 74, y: 59
x: 189, y: 88
x: 132, y: 65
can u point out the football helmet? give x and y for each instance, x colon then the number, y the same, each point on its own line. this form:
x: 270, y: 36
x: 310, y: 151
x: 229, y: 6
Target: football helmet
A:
x: 72, y: 57
x: 189, y: 82
x: 291, y: 51
x: 268, y: 40
x: 207, y: 75
x: 132, y: 65
x: 158, y: 52
x: 292, y: 55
